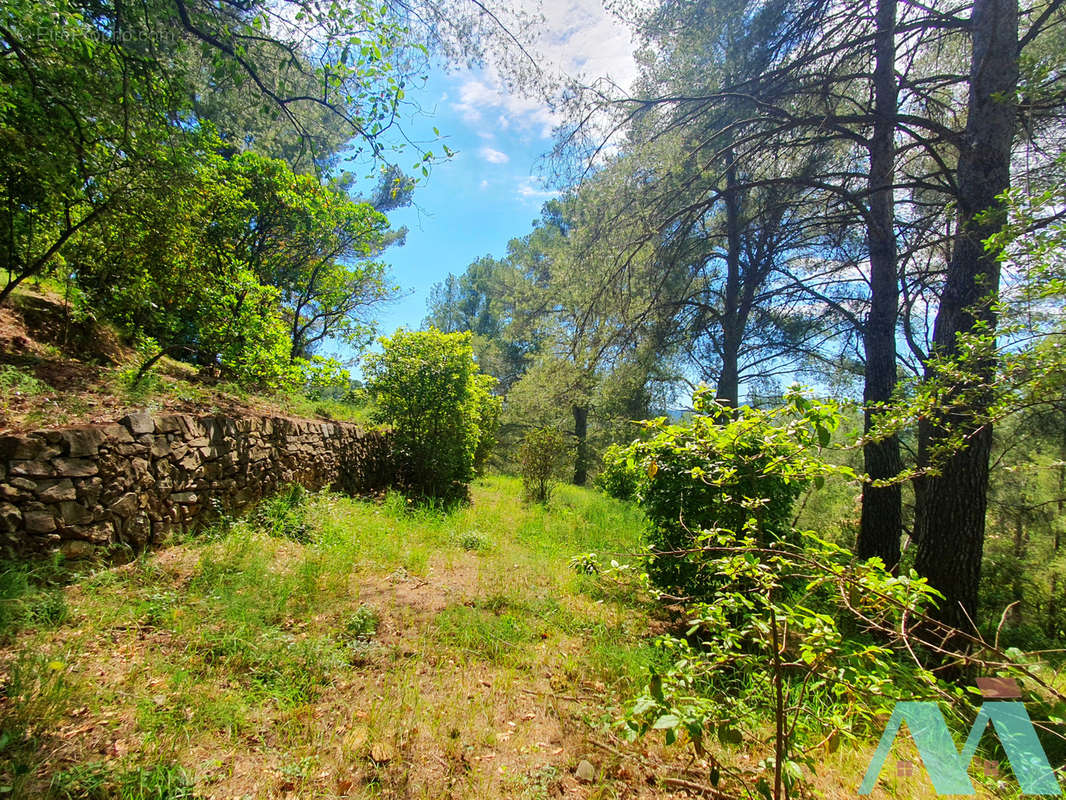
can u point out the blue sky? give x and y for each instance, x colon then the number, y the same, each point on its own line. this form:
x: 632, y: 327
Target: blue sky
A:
x: 473, y: 203
x: 492, y: 189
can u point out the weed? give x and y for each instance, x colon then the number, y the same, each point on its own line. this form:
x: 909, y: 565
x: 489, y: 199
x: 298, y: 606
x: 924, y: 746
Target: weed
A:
x: 31, y: 593
x: 285, y: 514
x: 362, y: 624
x: 357, y: 634
x: 473, y: 540
x: 99, y: 781
x: 302, y: 769
x: 15, y: 384
x: 137, y: 388
x: 33, y: 696
x: 495, y: 637
x: 539, y: 784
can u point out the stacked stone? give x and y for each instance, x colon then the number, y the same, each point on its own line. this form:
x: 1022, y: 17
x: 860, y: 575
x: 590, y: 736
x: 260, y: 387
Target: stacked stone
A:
x: 133, y: 482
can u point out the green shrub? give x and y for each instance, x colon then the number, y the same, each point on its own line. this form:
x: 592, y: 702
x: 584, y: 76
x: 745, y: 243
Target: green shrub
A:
x: 735, y: 471
x: 618, y: 478
x: 803, y: 631
x: 428, y: 388
x: 489, y: 407
x: 542, y: 457
x: 323, y: 377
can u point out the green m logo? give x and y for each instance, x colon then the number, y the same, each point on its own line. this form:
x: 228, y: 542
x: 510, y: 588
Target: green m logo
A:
x: 947, y: 767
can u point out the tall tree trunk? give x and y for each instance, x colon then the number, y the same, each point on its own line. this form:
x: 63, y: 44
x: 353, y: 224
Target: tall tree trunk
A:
x: 728, y: 389
x: 1062, y: 490
x: 882, y: 520
x: 951, y: 502
x: 581, y: 434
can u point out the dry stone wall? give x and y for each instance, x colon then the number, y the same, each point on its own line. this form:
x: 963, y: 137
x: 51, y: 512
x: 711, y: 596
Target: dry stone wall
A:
x: 133, y: 482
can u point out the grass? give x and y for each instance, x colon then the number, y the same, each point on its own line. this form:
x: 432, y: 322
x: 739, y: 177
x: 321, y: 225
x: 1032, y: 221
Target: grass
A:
x: 49, y: 380
x: 31, y: 593
x: 175, y: 382
x: 326, y: 647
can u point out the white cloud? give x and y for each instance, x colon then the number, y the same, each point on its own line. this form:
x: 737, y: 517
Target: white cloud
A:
x: 483, y: 185
x: 532, y: 188
x: 584, y: 40
x: 494, y: 156
x: 579, y: 39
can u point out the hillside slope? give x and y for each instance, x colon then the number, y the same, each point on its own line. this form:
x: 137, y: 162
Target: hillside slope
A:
x: 59, y: 369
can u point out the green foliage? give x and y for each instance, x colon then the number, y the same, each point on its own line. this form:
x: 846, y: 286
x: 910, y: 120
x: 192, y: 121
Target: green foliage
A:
x: 243, y: 266
x: 473, y: 541
x: 321, y: 376
x: 104, y: 99
x: 102, y: 781
x: 31, y: 593
x: 618, y: 478
x: 240, y: 327
x: 16, y: 384
x: 427, y: 387
x: 359, y: 627
x: 567, y: 355
x: 285, y: 514
x: 36, y: 694
x: 786, y: 635
x: 734, y: 471
x: 489, y: 407
x: 542, y: 459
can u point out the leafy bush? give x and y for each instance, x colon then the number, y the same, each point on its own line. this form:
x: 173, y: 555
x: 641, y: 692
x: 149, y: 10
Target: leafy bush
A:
x: 489, y: 407
x: 823, y: 660
x: 241, y: 325
x: 428, y: 388
x: 542, y: 458
x: 618, y: 478
x: 737, y: 471
x: 323, y: 377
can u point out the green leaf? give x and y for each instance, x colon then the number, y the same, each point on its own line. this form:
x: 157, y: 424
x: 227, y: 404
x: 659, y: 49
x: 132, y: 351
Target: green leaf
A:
x: 655, y: 686
x: 666, y: 722
x: 729, y: 735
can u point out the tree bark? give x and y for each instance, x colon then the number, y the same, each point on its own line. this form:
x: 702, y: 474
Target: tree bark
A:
x: 951, y: 502
x: 881, y: 522
x: 581, y: 432
x: 728, y: 389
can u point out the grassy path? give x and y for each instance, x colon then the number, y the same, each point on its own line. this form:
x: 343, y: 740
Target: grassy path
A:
x: 336, y: 649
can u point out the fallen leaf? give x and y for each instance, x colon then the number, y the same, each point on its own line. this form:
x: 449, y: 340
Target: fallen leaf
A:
x: 382, y: 753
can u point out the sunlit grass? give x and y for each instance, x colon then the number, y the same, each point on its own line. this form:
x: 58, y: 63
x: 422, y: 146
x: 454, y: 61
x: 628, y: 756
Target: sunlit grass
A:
x: 325, y: 636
